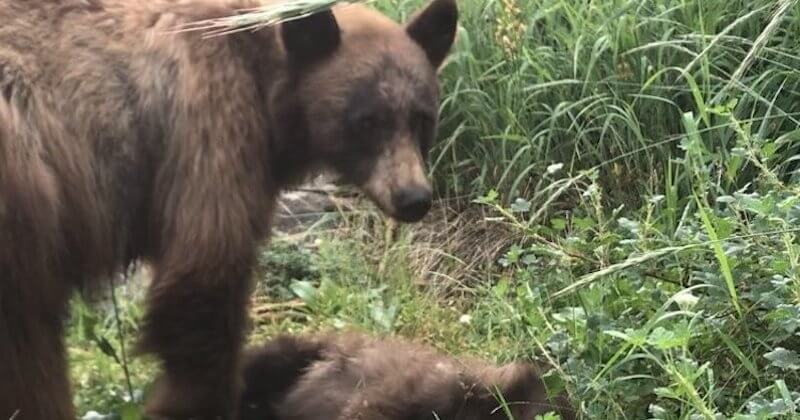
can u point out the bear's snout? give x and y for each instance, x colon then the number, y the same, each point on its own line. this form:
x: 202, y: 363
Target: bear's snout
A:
x: 412, y: 204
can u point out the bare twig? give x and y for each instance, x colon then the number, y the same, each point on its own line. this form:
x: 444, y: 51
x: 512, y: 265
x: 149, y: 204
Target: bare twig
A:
x: 121, y: 337
x: 279, y: 306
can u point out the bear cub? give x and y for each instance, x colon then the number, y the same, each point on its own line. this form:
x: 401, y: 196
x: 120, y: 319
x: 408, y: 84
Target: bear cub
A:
x: 353, y: 376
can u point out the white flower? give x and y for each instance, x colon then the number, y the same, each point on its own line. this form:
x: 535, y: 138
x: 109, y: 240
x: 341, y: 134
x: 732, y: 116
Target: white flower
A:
x: 685, y: 299
x: 554, y: 168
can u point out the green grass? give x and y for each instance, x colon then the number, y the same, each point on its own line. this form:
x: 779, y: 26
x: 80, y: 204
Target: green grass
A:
x: 619, y: 199
x: 638, y: 322
x: 606, y: 84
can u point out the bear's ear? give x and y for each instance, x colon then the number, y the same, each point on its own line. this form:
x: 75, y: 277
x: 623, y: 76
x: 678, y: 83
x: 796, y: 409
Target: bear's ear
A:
x: 523, y: 389
x: 519, y: 386
x: 517, y: 381
x: 311, y: 38
x: 434, y: 29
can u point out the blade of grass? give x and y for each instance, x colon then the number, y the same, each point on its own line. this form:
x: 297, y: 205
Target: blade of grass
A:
x: 719, y: 253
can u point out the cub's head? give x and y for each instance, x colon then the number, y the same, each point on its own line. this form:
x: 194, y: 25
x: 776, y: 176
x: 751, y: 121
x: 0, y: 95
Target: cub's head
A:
x: 368, y: 93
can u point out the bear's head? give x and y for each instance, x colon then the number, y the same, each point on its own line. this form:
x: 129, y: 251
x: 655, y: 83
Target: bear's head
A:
x: 368, y: 95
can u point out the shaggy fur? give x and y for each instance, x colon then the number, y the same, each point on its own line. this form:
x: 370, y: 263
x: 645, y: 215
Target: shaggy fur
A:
x: 123, y: 140
x: 353, y: 377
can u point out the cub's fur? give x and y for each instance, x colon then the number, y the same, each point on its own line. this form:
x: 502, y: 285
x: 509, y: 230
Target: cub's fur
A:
x: 122, y: 139
x: 356, y: 377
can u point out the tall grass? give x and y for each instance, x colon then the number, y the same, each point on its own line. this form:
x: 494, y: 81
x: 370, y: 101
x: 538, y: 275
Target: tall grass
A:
x: 646, y: 152
x: 598, y: 84
x: 605, y: 84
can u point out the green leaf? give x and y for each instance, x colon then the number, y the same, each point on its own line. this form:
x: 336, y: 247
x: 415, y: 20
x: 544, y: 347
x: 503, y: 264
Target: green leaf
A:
x: 383, y: 315
x: 633, y: 337
x: 558, y: 223
x: 664, y: 339
x: 304, y: 290
x: 768, y: 150
x: 784, y: 359
x: 549, y: 416
x: 583, y: 222
x: 490, y: 198
x: 554, y: 383
x: 664, y: 392
x: 501, y: 288
x: 520, y: 205
x: 724, y: 227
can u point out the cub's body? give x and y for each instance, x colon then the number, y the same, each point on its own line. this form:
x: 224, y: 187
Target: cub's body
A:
x: 352, y: 377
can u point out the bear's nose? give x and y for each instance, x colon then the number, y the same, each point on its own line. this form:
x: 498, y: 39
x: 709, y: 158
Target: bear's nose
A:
x: 412, y: 204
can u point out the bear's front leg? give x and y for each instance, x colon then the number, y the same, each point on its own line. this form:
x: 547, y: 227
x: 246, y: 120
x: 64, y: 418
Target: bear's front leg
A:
x: 195, y: 324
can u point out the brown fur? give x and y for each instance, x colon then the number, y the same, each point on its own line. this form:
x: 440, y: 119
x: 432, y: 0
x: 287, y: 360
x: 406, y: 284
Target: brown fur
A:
x: 352, y: 376
x: 122, y: 140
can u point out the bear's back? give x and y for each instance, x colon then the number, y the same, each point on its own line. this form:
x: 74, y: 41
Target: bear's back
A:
x: 387, y: 379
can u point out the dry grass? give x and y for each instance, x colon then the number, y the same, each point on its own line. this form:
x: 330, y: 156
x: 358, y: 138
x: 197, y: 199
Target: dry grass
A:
x: 451, y: 251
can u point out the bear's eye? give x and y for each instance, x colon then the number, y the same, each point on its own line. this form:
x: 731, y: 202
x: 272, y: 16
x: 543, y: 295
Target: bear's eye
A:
x: 421, y: 122
x: 367, y: 123
x: 422, y: 126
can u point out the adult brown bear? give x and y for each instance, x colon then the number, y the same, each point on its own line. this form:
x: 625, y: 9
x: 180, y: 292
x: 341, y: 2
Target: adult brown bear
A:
x: 353, y: 376
x: 122, y: 139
